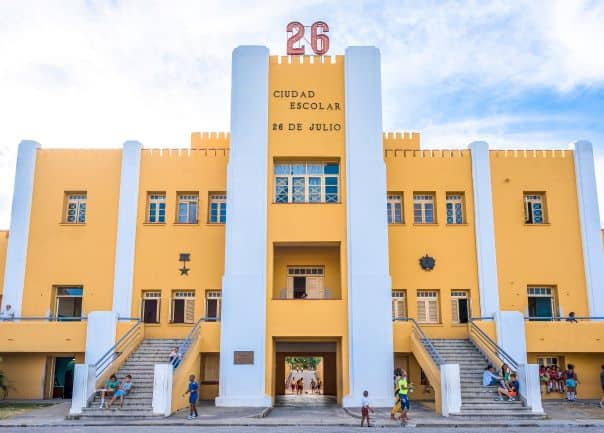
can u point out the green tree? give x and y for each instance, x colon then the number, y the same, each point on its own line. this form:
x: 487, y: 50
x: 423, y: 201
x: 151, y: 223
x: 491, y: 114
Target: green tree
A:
x: 303, y: 362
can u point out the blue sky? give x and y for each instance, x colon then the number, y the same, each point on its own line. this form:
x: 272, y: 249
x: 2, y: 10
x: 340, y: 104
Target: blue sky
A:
x: 518, y: 74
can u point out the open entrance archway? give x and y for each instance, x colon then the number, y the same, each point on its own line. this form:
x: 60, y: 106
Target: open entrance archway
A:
x: 306, y: 374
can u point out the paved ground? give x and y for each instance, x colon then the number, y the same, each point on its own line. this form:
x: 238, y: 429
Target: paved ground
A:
x: 301, y: 429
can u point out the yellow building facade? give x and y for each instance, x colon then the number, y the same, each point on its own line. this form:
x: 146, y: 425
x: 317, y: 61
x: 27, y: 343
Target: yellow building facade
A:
x: 305, y: 231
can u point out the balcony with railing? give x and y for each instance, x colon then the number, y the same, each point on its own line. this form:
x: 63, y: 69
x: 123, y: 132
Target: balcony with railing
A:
x: 43, y: 334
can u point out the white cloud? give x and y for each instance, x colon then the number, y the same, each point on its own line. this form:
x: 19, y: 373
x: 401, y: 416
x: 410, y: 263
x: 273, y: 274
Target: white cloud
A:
x: 96, y: 73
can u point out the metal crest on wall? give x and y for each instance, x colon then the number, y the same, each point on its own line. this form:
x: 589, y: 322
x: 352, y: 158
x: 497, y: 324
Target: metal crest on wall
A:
x: 427, y: 263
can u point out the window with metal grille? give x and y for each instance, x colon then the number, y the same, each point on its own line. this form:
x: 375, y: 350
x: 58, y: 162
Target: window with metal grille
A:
x: 427, y: 306
x: 399, y: 304
x: 156, y: 207
x: 218, y: 208
x: 395, y: 208
x: 460, y: 306
x: 541, y: 302
x: 455, y: 208
x: 423, y: 208
x: 183, y: 307
x: 306, y: 182
x: 150, y: 306
x: 188, y: 207
x: 534, y: 208
x: 213, y: 301
x: 75, y: 207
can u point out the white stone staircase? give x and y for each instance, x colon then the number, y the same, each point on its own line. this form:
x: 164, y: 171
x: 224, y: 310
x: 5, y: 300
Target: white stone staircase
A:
x: 140, y: 365
x: 477, y: 401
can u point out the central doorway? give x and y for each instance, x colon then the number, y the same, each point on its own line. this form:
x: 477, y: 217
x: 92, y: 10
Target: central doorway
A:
x: 306, y: 374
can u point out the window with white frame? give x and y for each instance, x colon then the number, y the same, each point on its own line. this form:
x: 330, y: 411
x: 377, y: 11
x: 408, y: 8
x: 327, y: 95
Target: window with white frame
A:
x: 541, y: 303
x: 460, y: 306
x: 534, y: 208
x: 188, y: 207
x: 399, y: 304
x: 423, y: 208
x: 213, y: 301
x: 217, y: 208
x: 548, y: 361
x: 183, y: 306
x: 150, y: 306
x: 427, y: 306
x: 306, y: 182
x: 75, y: 207
x: 68, y: 302
x: 395, y: 208
x: 455, y: 208
x: 156, y: 207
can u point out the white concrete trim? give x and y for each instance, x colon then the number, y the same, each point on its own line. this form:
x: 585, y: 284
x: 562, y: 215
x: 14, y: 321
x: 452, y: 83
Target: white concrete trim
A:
x: 84, y: 387
x: 530, y: 388
x: 125, y: 244
x: 485, y: 229
x: 161, y: 402
x: 511, y: 335
x: 450, y: 386
x: 369, y: 286
x: 16, y: 254
x: 101, y: 331
x: 243, y: 325
x: 589, y: 216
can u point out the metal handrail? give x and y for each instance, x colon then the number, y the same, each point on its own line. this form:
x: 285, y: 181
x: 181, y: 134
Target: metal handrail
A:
x: 431, y: 349
x: 183, y: 348
x: 492, y: 346
x: 561, y: 318
x: 111, y: 354
x: 44, y: 319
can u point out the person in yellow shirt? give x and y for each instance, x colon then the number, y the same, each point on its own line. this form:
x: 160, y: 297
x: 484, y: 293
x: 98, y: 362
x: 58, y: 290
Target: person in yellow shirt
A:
x: 403, y: 395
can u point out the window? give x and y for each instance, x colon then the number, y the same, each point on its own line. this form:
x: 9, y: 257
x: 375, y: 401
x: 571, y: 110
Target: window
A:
x: 541, y: 303
x: 455, y: 208
x: 423, y: 208
x: 306, y: 182
x: 75, y: 207
x: 150, y: 306
x: 399, y: 304
x: 427, y: 306
x: 183, y: 307
x: 211, y: 363
x: 188, y: 206
x: 395, y: 208
x: 460, y: 306
x: 213, y: 301
x: 218, y: 208
x: 305, y: 282
x: 534, y: 208
x: 68, y: 303
x: 156, y: 207
x: 548, y: 361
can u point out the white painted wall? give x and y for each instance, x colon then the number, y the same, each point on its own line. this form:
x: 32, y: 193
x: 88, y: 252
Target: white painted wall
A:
x: 530, y: 388
x: 511, y: 335
x: 16, y: 255
x: 485, y: 229
x: 243, y: 315
x: 100, y: 334
x: 589, y: 215
x: 84, y: 387
x: 369, y: 286
x: 126, y: 229
x: 162, y: 389
x: 450, y: 386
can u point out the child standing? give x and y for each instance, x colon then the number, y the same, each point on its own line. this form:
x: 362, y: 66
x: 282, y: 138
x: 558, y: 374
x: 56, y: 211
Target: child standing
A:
x: 193, y: 392
x: 571, y: 383
x: 365, y: 408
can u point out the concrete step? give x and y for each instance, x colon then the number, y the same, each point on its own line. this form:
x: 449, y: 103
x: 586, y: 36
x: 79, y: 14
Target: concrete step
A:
x: 481, y: 415
x: 492, y: 404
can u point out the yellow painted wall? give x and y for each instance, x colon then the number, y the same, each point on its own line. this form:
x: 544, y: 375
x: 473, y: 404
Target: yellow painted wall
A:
x: 42, y: 336
x: 26, y: 374
x: 452, y: 246
x: 322, y: 222
x: 550, y: 337
x: 81, y: 254
x: 3, y: 247
x: 534, y: 254
x: 327, y: 256
x: 158, y: 246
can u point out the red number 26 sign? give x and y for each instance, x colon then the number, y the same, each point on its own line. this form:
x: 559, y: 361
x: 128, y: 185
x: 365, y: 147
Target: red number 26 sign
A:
x: 319, y: 41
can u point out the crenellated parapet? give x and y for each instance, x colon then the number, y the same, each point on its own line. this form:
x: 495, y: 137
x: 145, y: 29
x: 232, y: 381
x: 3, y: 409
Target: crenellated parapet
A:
x: 201, y: 140
x: 531, y: 153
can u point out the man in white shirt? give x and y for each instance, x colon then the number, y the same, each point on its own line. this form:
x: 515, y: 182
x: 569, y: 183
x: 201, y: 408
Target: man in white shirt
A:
x: 489, y: 378
x: 8, y: 313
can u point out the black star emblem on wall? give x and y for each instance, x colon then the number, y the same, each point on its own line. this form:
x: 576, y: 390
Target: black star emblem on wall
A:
x: 184, y: 258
